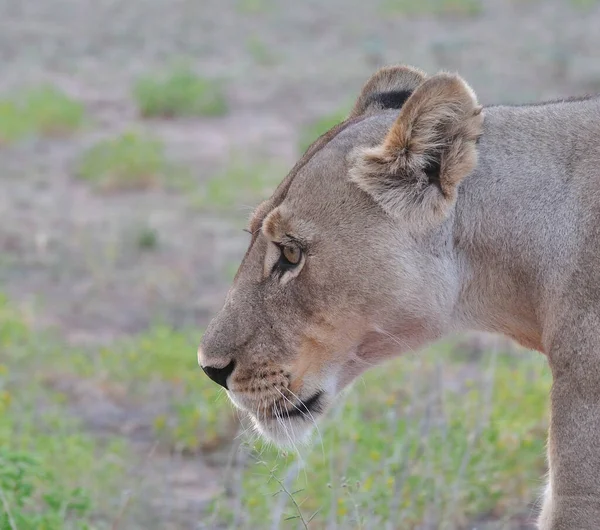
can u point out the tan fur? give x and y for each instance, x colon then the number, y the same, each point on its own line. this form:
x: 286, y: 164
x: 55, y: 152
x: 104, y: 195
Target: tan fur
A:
x: 439, y: 124
x: 419, y: 216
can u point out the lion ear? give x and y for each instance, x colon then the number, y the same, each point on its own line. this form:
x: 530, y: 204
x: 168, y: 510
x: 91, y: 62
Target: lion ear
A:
x: 428, y: 150
x: 388, y: 88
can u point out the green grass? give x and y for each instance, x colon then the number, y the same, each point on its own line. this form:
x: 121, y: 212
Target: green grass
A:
x: 425, y: 436
x: 240, y: 180
x: 433, y: 7
x: 584, y: 4
x: 262, y: 53
x: 180, y: 92
x: 32, y: 499
x: 131, y: 161
x: 145, y: 237
x: 313, y: 130
x: 53, y: 475
x: 199, y: 414
x: 401, y: 450
x: 43, y: 111
x: 253, y: 7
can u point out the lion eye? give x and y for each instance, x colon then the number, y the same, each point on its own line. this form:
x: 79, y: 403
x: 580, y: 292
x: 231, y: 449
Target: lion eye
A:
x: 291, y: 254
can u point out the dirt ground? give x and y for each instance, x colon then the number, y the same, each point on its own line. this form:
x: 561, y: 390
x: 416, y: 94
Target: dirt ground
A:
x: 70, y: 249
x: 69, y: 252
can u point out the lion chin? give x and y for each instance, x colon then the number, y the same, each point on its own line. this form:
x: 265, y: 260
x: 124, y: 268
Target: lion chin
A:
x: 284, y: 433
x: 291, y: 424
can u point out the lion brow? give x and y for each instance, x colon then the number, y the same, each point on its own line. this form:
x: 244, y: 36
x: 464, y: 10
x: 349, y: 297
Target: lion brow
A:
x: 263, y: 209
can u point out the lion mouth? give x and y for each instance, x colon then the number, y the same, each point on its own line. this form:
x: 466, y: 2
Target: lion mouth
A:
x: 288, y: 420
x: 306, y: 407
x: 298, y: 409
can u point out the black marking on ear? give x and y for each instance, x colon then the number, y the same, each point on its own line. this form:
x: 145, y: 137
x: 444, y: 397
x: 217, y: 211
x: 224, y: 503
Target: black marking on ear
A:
x: 389, y: 100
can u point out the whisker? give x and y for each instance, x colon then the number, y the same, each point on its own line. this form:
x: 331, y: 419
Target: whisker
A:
x: 289, y: 434
x: 312, y: 418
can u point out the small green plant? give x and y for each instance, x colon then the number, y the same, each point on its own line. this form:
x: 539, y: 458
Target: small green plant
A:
x: 260, y: 51
x: 43, y: 111
x: 313, y: 130
x: 147, y: 238
x: 12, y: 125
x: 252, y: 7
x: 130, y: 161
x: 52, y: 112
x: 240, y: 180
x: 31, y: 498
x: 199, y: 415
x: 434, y: 7
x: 179, y: 93
x: 584, y: 4
x: 53, y: 474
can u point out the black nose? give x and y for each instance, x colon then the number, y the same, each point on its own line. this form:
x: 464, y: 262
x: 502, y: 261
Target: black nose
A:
x: 219, y: 375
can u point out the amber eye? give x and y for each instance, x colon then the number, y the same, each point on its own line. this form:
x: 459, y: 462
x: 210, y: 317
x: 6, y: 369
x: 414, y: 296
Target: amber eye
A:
x: 291, y: 254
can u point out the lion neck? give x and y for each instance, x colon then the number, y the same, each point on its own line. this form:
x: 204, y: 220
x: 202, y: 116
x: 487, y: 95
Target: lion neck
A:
x: 517, y: 223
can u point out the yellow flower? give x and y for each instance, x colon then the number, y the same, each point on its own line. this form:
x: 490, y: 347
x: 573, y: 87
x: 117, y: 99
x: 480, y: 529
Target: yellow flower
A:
x: 160, y: 422
x: 5, y: 398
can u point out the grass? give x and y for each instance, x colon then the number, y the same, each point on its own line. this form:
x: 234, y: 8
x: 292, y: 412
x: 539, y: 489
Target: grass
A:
x: 131, y: 161
x: 309, y: 133
x: 22, y: 482
x: 199, y: 416
x: 52, y: 474
x: 261, y: 52
x: 428, y: 437
x: 584, y: 4
x: 43, y: 111
x: 147, y: 238
x: 404, y: 449
x: 180, y: 92
x: 433, y: 7
x: 253, y: 7
x: 240, y: 180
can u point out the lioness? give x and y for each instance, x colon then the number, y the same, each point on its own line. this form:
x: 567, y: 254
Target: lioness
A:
x: 424, y: 214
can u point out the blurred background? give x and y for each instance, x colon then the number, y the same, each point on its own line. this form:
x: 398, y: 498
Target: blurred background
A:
x: 135, y: 138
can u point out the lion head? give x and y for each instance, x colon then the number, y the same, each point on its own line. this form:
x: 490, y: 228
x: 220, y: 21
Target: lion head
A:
x: 348, y: 262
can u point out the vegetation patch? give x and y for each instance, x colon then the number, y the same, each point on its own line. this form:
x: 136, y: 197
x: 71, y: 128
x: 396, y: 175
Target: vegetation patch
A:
x: 43, y: 111
x: 261, y: 52
x: 53, y: 476
x: 147, y: 238
x: 434, y: 7
x: 584, y: 4
x: 180, y: 92
x: 407, y: 448
x: 242, y: 179
x: 313, y: 130
x: 32, y: 498
x: 425, y: 438
x: 199, y: 415
x: 253, y: 7
x: 131, y: 161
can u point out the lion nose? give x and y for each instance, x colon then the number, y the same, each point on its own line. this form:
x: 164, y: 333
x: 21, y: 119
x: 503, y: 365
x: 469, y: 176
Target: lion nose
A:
x: 219, y: 375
